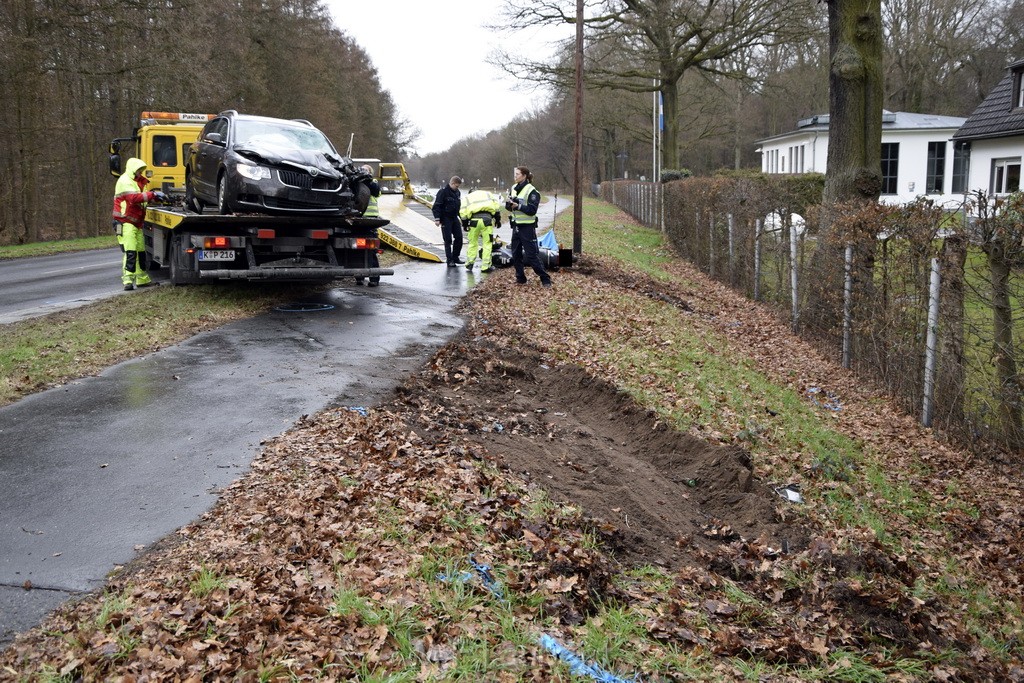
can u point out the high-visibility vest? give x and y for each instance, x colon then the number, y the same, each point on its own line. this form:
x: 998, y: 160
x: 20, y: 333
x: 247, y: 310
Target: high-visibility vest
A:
x: 479, y: 201
x: 518, y: 216
x: 372, y: 209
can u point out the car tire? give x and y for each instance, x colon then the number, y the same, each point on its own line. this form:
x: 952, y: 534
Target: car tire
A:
x: 191, y: 200
x: 362, y: 197
x: 223, y: 204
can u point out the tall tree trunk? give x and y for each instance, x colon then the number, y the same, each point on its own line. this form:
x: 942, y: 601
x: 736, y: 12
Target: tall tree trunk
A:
x: 951, y: 380
x: 670, y: 143
x: 855, y: 101
x: 854, y: 172
x: 1007, y: 382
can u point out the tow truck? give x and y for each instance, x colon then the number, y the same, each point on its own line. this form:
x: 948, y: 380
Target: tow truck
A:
x: 202, y: 247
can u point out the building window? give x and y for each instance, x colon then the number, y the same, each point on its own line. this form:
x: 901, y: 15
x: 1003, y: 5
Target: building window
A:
x: 961, y: 155
x: 803, y: 150
x: 890, y: 166
x: 1005, y: 175
x: 1018, y: 89
x: 936, y: 176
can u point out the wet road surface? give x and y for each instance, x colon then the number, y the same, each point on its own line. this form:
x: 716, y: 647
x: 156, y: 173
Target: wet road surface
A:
x: 94, y: 472
x: 46, y: 284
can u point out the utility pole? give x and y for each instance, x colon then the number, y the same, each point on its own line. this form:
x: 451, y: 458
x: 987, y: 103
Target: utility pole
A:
x: 577, y: 170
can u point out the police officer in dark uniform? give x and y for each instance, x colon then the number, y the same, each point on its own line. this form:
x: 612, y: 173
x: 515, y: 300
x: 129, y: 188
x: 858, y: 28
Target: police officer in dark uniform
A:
x: 522, y: 204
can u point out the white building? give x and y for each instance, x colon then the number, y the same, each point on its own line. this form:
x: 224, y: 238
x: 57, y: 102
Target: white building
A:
x: 917, y: 155
x: 992, y: 138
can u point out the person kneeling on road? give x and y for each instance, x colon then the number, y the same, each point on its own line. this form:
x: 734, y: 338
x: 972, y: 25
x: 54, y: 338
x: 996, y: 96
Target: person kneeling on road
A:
x: 130, y: 199
x: 481, y: 213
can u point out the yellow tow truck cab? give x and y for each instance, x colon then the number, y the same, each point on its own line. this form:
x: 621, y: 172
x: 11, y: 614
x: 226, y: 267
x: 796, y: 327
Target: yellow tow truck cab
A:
x: 161, y: 140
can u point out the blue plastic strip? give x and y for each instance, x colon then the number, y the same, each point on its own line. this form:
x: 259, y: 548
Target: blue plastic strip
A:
x: 485, y: 575
x: 484, y: 572
x: 578, y: 665
x: 548, y: 241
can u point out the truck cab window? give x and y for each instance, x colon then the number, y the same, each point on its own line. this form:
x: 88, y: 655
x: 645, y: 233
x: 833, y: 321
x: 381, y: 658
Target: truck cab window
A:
x: 165, y: 150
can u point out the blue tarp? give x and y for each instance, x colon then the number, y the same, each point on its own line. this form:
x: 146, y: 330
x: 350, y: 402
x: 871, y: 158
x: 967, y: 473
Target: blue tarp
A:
x: 548, y: 241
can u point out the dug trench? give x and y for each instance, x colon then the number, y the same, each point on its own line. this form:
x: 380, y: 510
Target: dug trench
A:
x: 657, y: 496
x: 660, y: 497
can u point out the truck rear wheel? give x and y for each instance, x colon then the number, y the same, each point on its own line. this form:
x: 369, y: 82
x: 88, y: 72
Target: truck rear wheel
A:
x: 183, y: 265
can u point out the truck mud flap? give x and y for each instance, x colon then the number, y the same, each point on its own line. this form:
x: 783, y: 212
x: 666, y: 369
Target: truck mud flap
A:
x: 293, y: 273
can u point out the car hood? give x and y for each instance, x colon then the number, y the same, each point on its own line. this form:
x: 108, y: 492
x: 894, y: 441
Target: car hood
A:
x: 328, y: 165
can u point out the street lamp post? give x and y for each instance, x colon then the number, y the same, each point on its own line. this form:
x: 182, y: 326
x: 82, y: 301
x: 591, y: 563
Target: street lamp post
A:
x: 623, y: 158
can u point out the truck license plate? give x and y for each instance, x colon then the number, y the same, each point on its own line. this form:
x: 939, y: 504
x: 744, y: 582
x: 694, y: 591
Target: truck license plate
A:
x: 217, y: 255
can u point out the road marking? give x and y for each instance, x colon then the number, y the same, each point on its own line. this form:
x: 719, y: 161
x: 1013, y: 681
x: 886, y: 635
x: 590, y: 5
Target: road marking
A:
x: 71, y: 270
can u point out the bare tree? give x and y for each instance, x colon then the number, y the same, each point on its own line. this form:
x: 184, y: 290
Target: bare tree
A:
x: 656, y: 42
x: 930, y: 43
x: 77, y: 73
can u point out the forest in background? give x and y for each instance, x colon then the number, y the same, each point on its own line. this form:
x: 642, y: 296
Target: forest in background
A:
x: 77, y: 73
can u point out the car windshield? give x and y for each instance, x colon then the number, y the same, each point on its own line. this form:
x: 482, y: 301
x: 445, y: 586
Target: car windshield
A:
x: 280, y: 136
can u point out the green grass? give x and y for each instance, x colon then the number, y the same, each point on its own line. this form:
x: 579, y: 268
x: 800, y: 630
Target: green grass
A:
x: 57, y: 247
x: 608, y: 232
x: 206, y: 581
x: 693, y: 380
x: 54, y: 349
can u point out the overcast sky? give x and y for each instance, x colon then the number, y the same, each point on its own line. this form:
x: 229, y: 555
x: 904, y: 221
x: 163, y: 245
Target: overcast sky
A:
x: 430, y: 53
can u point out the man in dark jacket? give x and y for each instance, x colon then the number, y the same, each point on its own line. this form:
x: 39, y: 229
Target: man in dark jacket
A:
x: 447, y: 205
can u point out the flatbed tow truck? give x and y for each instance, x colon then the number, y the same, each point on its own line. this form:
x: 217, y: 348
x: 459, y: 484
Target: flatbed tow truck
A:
x: 203, y: 247
x: 256, y: 247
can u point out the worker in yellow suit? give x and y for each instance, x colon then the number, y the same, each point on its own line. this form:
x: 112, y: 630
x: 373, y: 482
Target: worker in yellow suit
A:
x: 481, y: 214
x: 130, y: 199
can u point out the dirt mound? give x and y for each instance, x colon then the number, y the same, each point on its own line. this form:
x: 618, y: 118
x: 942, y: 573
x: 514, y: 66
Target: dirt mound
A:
x: 659, y: 494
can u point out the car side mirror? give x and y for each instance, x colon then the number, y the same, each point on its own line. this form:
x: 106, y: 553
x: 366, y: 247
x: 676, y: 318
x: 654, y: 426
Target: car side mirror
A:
x: 115, y: 164
x: 215, y: 138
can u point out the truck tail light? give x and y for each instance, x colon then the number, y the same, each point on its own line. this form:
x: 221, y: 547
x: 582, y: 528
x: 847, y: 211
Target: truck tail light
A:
x: 216, y: 243
x: 367, y: 243
x: 320, y: 234
x: 266, y: 233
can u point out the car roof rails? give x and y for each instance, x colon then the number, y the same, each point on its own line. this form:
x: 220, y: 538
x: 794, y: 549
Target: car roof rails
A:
x: 305, y: 122
x: 229, y: 112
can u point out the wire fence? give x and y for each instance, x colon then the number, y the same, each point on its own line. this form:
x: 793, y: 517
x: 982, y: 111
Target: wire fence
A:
x: 922, y: 298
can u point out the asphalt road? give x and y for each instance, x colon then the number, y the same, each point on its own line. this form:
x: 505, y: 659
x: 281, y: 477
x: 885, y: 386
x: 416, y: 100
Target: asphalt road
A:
x: 94, y: 472
x: 36, y: 286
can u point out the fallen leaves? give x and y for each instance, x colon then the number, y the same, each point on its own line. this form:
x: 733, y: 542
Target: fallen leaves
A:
x: 331, y: 548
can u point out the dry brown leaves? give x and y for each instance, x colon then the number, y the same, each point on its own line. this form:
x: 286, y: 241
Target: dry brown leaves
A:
x: 379, y: 506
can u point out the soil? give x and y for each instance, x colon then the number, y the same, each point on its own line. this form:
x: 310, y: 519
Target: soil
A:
x: 659, y: 495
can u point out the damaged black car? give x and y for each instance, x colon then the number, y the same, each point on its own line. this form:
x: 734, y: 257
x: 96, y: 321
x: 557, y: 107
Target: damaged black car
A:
x: 257, y: 164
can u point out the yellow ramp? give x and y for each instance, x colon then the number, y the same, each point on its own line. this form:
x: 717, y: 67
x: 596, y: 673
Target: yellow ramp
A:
x: 412, y: 230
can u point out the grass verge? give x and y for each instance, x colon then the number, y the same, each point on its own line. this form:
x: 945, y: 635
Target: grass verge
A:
x: 39, y: 353
x: 363, y: 531
x: 12, y: 251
